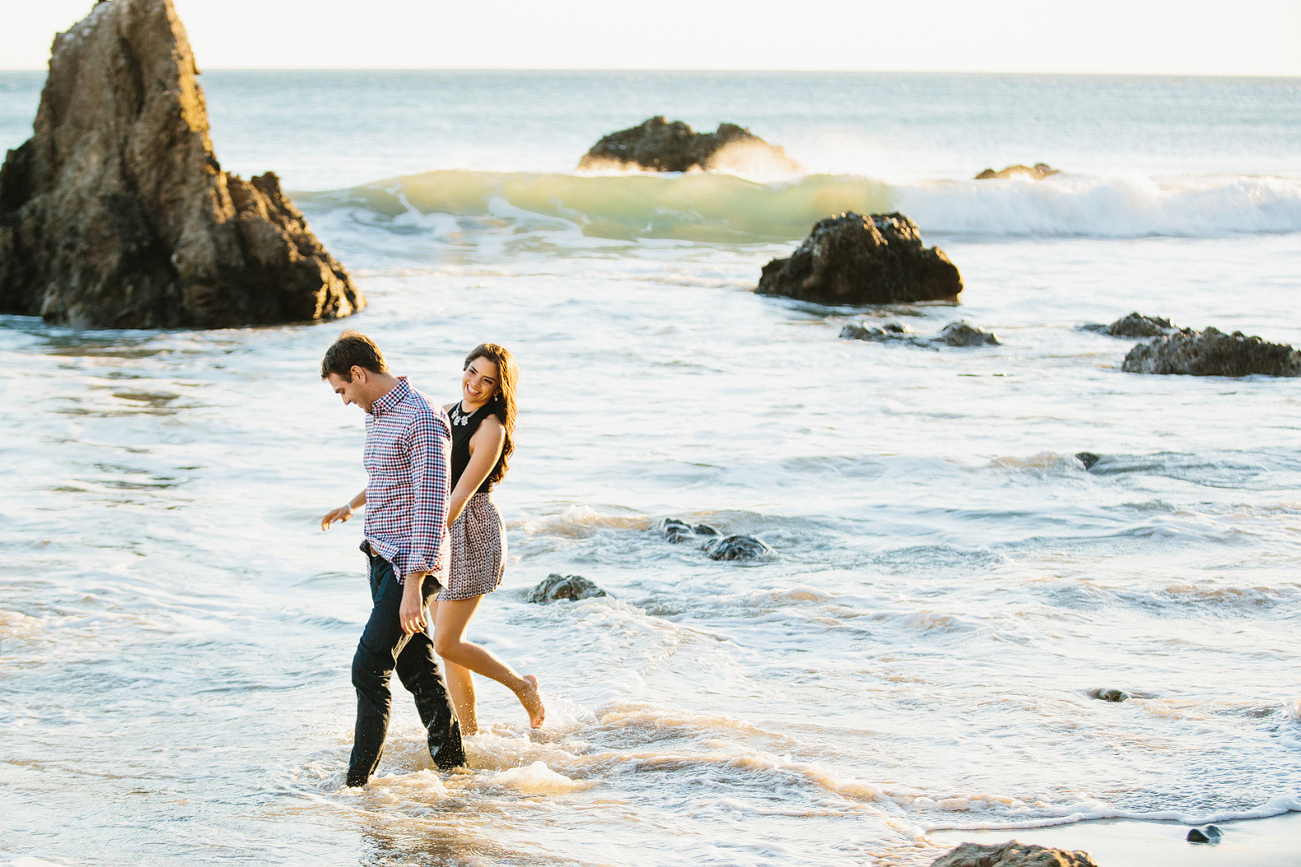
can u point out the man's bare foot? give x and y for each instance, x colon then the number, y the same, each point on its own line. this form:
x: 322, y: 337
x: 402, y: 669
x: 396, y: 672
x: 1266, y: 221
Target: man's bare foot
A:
x: 531, y: 698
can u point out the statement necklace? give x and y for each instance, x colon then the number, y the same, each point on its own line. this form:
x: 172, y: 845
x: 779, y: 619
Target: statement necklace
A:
x: 459, y: 416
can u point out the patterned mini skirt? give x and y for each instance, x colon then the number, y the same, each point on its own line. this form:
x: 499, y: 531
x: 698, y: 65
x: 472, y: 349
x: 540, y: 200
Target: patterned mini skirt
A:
x: 478, y: 550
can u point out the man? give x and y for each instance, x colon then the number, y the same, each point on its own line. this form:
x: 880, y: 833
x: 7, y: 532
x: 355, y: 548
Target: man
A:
x: 408, y: 441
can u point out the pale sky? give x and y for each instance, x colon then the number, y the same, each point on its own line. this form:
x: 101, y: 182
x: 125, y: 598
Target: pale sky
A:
x: 1247, y: 37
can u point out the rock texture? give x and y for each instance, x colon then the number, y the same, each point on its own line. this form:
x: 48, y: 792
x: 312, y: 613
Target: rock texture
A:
x: 1012, y: 854
x: 659, y: 146
x: 570, y: 587
x: 959, y: 333
x: 739, y: 548
x: 677, y: 531
x: 116, y: 214
x: 853, y: 259
x: 1110, y: 693
x: 1135, y: 325
x: 1038, y: 171
x: 1212, y: 353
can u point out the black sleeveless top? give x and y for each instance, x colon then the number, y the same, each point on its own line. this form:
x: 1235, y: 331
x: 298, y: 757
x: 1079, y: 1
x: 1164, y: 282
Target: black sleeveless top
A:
x: 463, y: 428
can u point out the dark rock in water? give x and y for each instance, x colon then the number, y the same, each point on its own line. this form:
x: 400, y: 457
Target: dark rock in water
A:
x: 571, y: 587
x: 1038, y: 171
x: 1212, y: 353
x: 1209, y: 834
x: 1012, y: 854
x: 960, y: 333
x: 739, y: 548
x: 659, y: 146
x: 1136, y: 325
x: 116, y: 214
x: 1088, y: 459
x: 889, y: 330
x: 963, y: 333
x: 1109, y: 694
x: 680, y: 531
x: 853, y: 259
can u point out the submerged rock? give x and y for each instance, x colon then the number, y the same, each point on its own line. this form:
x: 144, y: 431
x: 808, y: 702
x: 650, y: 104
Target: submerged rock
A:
x: 1209, y: 834
x: 116, y: 214
x: 1212, y: 353
x: 853, y: 259
x: 1109, y: 694
x: 1088, y: 459
x: 659, y: 146
x: 1038, y: 171
x: 963, y: 333
x: 571, y: 587
x: 1012, y: 854
x: 1135, y: 325
x: 959, y: 333
x: 739, y: 548
x: 677, y: 531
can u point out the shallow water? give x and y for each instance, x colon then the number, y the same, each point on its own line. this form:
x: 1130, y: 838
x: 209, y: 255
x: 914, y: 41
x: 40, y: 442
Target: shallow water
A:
x: 951, y: 583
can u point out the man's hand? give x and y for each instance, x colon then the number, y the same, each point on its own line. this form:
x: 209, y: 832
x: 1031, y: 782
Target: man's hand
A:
x: 342, y: 513
x: 412, y: 611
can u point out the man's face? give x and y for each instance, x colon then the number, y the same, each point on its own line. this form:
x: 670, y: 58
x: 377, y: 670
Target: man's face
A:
x: 351, y: 392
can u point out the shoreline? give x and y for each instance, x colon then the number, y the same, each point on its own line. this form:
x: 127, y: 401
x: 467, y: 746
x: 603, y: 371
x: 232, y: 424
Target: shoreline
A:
x: 1271, y: 842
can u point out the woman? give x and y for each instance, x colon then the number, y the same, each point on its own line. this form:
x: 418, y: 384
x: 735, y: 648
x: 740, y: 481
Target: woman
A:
x: 482, y: 423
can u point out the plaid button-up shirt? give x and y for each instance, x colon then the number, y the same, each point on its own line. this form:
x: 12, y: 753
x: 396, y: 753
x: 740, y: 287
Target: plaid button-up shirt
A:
x: 408, y: 444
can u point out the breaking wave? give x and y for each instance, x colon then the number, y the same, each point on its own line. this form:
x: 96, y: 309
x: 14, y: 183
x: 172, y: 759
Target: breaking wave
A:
x: 723, y: 208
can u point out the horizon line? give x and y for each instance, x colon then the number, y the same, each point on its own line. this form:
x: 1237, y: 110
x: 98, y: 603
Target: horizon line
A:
x: 803, y: 71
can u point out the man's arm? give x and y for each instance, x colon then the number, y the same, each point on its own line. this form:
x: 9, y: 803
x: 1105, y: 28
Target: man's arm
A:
x: 345, y: 511
x: 428, y: 451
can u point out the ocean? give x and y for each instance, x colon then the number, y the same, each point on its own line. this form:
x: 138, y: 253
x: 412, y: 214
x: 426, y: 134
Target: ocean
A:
x: 951, y: 585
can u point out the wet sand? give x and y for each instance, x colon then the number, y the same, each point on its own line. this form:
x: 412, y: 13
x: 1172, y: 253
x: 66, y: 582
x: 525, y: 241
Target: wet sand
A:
x: 1272, y: 842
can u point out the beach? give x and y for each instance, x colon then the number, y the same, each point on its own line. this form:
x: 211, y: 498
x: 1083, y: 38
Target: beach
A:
x: 952, y: 585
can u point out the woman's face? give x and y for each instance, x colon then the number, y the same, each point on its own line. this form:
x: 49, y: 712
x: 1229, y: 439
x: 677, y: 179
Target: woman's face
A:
x: 480, y: 381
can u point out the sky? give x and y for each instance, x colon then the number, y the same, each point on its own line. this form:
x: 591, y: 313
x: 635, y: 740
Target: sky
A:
x: 1247, y: 37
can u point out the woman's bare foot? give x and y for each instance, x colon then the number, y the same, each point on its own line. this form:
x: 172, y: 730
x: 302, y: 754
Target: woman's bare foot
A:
x: 531, y: 698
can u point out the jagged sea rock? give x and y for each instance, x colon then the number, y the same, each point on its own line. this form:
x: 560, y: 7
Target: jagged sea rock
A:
x: 1212, y: 353
x: 739, y: 548
x: 1012, y: 854
x: 959, y: 333
x: 1088, y: 459
x: 1209, y: 834
x: 116, y: 214
x: 1110, y: 693
x: 659, y: 146
x: 571, y: 587
x: 963, y: 333
x: 853, y: 259
x: 1135, y: 325
x: 1038, y: 171
x: 676, y: 530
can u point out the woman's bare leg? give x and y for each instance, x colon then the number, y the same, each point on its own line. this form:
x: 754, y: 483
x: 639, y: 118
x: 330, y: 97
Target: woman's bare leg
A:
x: 450, y: 619
x: 460, y: 683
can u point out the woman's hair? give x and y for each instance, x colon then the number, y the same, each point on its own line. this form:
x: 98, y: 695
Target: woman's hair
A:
x: 503, y: 402
x: 352, y: 349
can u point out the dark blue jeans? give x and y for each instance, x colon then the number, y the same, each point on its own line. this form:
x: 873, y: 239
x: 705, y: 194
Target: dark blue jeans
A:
x: 383, y: 648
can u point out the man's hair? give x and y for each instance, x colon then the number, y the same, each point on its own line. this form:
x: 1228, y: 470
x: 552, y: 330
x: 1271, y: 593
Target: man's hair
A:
x: 352, y: 349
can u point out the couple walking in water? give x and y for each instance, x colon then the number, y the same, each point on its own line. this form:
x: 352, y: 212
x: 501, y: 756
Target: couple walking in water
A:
x: 434, y: 541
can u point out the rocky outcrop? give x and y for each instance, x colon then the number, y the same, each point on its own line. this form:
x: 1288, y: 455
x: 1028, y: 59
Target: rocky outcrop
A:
x: 557, y: 587
x: 959, y: 333
x: 739, y: 548
x: 678, y: 531
x: 1012, y: 854
x: 1135, y: 325
x: 1212, y: 353
x: 659, y: 146
x: 853, y: 259
x: 116, y: 214
x: 1038, y: 171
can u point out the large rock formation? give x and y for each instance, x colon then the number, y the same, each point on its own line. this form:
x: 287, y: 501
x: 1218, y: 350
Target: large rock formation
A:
x: 1038, y: 172
x: 1012, y: 854
x: 659, y: 146
x: 852, y: 259
x: 116, y: 214
x: 1212, y: 353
